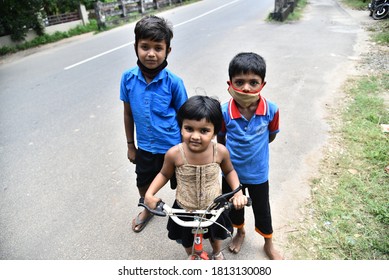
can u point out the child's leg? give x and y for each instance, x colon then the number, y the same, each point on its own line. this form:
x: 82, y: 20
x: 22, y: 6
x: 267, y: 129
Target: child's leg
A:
x: 262, y: 215
x: 216, y: 250
x: 188, y: 250
x: 237, y: 240
x: 270, y: 251
x: 143, y: 217
x: 237, y: 219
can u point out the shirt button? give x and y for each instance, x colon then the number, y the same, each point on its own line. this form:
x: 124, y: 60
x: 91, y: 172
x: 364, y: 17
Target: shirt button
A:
x: 245, y: 128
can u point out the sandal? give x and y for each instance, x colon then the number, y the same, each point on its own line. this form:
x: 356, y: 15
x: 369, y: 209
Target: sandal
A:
x: 141, y: 224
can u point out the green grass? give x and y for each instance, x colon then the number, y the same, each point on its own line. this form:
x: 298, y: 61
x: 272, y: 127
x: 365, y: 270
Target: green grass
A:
x: 357, y: 4
x: 381, y: 32
x: 298, y: 11
x: 350, y: 199
x: 46, y: 38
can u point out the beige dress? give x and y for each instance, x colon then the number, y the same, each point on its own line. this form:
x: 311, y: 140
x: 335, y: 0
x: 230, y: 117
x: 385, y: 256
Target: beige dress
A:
x: 197, y: 185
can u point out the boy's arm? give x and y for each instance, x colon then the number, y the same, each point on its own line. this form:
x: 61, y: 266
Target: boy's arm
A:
x: 239, y: 200
x: 274, y: 126
x: 161, y: 179
x: 221, y: 137
x: 272, y: 137
x: 179, y: 94
x: 129, y: 129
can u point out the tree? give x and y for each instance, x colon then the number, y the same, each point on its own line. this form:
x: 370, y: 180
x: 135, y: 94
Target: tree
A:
x: 18, y: 16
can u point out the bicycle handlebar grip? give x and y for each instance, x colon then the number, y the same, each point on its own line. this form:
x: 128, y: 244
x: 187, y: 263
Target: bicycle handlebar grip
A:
x: 157, y: 211
x: 249, y: 202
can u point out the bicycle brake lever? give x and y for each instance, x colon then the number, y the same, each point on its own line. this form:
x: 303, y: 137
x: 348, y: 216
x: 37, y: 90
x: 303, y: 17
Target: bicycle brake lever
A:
x: 225, y: 197
x: 158, y: 211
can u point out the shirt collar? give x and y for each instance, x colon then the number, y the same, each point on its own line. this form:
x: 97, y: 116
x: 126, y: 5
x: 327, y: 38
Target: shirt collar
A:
x: 234, y: 113
x: 159, y: 76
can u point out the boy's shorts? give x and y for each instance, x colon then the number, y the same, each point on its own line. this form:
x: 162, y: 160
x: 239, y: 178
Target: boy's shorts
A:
x: 148, y: 166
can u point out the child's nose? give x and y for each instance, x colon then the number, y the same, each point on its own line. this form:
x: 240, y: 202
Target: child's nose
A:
x: 151, y: 53
x: 246, y: 87
x: 195, y: 135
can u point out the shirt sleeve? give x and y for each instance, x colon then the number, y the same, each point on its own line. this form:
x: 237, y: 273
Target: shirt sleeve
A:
x: 123, y: 89
x: 223, y: 129
x: 180, y: 95
x: 274, y: 123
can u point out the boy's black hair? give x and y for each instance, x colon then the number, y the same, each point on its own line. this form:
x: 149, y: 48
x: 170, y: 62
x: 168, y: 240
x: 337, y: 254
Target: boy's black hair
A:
x: 200, y: 107
x: 153, y: 28
x: 247, y: 62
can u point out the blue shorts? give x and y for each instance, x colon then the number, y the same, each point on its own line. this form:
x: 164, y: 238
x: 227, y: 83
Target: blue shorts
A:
x: 147, y: 167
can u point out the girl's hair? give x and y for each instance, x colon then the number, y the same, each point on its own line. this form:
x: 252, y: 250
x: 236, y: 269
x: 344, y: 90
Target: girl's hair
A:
x: 245, y: 63
x: 200, y: 107
x: 153, y: 28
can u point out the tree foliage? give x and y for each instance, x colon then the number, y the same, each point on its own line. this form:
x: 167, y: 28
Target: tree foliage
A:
x: 18, y: 16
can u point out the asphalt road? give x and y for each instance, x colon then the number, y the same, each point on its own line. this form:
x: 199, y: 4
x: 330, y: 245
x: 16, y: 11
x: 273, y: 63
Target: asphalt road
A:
x: 67, y: 188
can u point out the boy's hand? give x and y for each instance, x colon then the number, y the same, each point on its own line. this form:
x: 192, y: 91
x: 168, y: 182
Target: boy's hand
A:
x: 239, y: 200
x: 131, y: 153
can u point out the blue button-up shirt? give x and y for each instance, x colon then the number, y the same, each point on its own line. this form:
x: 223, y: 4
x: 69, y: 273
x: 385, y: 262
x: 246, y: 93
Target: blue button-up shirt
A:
x: 248, y: 141
x: 154, y: 107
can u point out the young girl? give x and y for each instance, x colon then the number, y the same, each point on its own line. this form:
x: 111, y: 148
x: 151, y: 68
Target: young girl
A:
x: 196, y: 162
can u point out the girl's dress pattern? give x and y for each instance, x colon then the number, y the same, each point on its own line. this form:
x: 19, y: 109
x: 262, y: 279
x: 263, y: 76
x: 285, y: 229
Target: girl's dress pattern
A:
x: 197, y: 187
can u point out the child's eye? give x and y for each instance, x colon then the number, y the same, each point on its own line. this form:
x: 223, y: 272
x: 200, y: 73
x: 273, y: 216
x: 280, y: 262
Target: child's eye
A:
x: 204, y: 131
x: 238, y: 83
x: 254, y: 83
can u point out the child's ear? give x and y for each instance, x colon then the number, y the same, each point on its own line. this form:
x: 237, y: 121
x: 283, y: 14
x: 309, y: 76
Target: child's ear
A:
x: 228, y: 83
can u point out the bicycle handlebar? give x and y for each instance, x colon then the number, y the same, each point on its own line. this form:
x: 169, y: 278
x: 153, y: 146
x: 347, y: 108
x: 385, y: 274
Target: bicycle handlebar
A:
x: 221, y: 203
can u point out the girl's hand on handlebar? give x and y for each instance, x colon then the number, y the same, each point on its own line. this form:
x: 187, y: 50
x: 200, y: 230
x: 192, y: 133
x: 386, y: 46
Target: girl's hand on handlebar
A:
x: 151, y: 201
x: 239, y: 200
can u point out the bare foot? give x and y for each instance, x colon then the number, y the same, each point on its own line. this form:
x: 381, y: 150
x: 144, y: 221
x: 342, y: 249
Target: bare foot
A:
x: 272, y: 253
x: 237, y: 241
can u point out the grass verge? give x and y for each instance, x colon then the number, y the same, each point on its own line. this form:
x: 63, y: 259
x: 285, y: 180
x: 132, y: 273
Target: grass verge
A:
x: 349, y: 208
x: 348, y: 215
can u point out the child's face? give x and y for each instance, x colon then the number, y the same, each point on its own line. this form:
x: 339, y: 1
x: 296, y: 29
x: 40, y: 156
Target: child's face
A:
x: 247, y: 82
x: 152, y: 53
x: 197, y: 134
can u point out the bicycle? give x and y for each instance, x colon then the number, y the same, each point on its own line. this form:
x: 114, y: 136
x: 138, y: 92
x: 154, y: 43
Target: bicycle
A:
x: 200, y: 221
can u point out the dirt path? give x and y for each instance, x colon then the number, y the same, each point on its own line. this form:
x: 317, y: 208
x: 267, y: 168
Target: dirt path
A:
x: 363, y: 61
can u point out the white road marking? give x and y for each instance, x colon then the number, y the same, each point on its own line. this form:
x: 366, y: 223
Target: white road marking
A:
x: 132, y: 42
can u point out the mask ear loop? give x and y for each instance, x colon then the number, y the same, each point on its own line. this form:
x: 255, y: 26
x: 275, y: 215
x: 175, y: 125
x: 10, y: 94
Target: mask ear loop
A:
x: 229, y: 83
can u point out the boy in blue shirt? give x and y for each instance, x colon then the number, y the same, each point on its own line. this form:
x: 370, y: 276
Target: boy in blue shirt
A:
x: 250, y: 124
x: 151, y: 95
